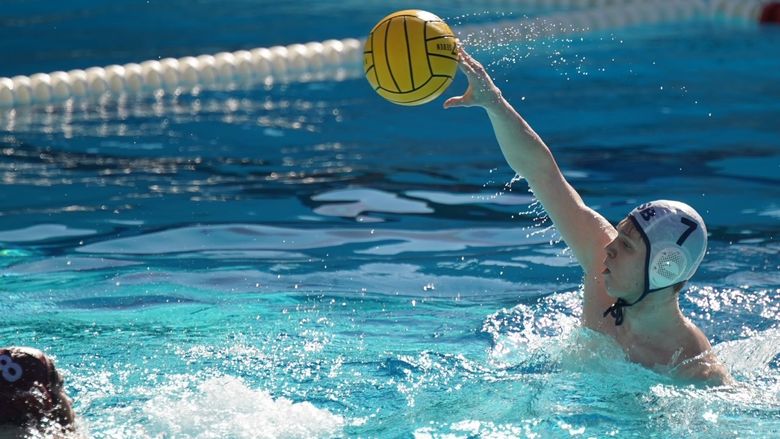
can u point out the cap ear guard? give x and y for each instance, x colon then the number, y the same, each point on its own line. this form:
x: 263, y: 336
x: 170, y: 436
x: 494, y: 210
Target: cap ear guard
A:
x: 668, y: 266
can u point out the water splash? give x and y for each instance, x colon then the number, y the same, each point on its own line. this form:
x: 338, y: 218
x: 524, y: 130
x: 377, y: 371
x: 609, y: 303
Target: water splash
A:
x: 227, y: 407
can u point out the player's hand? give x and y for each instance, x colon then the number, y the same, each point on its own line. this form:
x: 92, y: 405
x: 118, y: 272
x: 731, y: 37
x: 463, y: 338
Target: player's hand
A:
x: 481, y: 92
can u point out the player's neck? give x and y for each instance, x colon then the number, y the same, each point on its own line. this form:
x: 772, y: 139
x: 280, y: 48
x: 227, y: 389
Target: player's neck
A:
x: 657, y: 313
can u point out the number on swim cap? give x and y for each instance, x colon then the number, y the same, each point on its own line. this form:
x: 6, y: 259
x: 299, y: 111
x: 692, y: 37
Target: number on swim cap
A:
x: 11, y: 371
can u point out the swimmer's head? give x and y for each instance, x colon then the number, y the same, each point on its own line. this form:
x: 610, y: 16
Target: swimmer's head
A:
x: 676, y: 240
x: 31, y: 389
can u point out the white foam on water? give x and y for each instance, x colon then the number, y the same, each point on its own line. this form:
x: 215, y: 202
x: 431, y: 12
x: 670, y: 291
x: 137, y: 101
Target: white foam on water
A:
x: 528, y: 332
x: 225, y: 406
x: 750, y: 356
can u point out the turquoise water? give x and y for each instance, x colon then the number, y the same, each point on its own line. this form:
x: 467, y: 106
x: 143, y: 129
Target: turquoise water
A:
x: 306, y: 260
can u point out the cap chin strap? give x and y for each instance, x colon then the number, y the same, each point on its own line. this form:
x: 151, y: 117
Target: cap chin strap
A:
x: 616, y: 309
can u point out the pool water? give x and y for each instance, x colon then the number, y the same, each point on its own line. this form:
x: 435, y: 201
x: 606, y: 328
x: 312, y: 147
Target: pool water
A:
x: 308, y: 260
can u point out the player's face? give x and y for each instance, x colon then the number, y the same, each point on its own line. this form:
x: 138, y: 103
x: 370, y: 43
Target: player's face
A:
x: 624, y: 272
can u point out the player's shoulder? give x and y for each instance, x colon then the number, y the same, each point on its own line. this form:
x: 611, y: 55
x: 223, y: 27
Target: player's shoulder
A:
x: 698, y: 363
x: 704, y: 369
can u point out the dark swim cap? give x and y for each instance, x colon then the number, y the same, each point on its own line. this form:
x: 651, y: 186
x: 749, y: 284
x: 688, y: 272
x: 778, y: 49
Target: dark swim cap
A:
x: 29, y: 385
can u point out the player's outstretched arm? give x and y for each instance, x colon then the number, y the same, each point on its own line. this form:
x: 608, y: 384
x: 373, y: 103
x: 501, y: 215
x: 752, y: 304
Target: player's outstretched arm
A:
x: 585, y: 231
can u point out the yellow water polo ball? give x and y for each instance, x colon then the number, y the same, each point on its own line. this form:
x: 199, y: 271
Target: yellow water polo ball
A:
x: 410, y: 57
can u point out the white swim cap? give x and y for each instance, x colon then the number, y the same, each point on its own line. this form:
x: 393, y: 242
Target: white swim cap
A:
x: 676, y: 240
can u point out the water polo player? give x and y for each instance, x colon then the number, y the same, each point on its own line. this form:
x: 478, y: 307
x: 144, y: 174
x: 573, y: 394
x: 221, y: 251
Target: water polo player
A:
x: 633, y: 273
x: 32, y: 397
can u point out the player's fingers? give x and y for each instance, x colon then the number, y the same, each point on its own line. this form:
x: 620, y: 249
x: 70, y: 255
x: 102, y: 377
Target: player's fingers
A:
x: 473, y: 70
x: 468, y: 59
x: 456, y: 101
x: 466, y: 68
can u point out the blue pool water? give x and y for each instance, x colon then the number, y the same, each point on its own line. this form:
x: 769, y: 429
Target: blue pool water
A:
x: 307, y: 260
